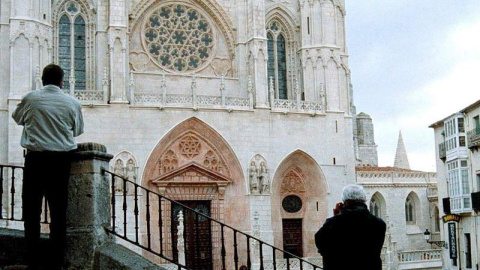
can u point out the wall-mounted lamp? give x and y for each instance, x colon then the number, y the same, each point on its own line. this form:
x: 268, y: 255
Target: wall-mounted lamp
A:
x: 427, y: 235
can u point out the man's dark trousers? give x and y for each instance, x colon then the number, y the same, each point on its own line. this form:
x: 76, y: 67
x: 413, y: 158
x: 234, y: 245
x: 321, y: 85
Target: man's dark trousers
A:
x: 46, y: 174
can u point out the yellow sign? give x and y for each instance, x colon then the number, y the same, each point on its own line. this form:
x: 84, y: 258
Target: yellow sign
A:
x: 451, y: 217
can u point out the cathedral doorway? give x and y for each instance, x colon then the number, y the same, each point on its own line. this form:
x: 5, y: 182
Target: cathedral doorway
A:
x: 193, y: 164
x: 197, y: 235
x: 292, y: 236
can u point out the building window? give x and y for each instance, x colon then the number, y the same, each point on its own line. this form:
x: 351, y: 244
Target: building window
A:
x: 468, y: 251
x: 277, y: 59
x: 179, y: 38
x: 410, y: 211
x: 459, y: 187
x: 72, y: 46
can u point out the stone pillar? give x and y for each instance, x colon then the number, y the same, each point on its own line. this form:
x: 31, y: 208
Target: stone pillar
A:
x: 88, y: 210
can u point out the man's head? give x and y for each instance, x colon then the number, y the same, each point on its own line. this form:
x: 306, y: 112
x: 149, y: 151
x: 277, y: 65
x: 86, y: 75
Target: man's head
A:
x: 354, y: 193
x: 53, y: 74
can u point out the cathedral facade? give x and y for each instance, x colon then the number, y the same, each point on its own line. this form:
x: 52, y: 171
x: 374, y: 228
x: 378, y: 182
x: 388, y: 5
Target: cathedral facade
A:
x: 208, y: 102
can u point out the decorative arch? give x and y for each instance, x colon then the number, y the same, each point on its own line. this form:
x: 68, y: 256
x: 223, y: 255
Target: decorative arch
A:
x: 299, y: 175
x: 129, y: 163
x: 211, y: 7
x: 377, y: 205
x: 195, y: 132
x: 285, y: 18
x: 193, y: 162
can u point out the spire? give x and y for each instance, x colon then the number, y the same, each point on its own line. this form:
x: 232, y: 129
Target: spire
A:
x: 401, y: 158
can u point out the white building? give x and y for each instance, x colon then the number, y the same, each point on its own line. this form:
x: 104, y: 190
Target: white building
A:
x: 458, y: 167
x: 255, y: 92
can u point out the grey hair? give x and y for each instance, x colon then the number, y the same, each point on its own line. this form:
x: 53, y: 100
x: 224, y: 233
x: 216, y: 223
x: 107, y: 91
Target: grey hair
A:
x: 354, y: 193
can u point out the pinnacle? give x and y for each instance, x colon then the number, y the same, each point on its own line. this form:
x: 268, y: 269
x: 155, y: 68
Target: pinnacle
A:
x: 401, y: 158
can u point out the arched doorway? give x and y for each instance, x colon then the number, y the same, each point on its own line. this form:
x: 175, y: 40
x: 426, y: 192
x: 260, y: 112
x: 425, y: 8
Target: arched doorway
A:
x: 194, y: 165
x: 299, y: 203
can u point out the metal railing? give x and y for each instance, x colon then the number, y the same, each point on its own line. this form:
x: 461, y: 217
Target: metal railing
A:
x: 442, y: 151
x: 11, y: 182
x: 473, y: 138
x: 155, y: 229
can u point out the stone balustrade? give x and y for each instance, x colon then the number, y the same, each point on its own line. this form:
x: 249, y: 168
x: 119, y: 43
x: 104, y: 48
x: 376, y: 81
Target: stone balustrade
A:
x: 419, y: 255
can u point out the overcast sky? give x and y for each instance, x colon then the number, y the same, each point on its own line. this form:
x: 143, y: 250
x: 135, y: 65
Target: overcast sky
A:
x: 413, y: 63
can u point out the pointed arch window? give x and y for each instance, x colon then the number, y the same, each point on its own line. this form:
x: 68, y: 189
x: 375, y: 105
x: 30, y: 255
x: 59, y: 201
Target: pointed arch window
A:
x: 375, y: 208
x: 410, y: 211
x: 277, y: 59
x: 72, y: 45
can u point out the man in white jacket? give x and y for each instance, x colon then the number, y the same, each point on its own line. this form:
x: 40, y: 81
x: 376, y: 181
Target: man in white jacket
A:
x: 50, y: 119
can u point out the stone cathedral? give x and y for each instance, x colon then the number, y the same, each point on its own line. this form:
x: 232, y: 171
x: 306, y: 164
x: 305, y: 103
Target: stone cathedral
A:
x: 242, y: 109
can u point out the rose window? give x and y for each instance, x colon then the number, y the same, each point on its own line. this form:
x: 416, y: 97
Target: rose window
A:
x: 179, y: 38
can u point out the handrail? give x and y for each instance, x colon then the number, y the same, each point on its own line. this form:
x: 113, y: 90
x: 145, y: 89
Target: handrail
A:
x: 11, y: 182
x: 199, y: 217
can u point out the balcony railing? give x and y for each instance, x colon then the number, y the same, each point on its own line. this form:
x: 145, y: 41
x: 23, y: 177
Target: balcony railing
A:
x: 473, y: 138
x: 420, y: 256
x: 442, y: 151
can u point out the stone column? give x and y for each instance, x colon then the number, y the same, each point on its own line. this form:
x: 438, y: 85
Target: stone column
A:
x: 88, y: 210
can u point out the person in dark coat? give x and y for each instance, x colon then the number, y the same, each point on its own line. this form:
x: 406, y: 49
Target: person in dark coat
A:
x: 352, y: 238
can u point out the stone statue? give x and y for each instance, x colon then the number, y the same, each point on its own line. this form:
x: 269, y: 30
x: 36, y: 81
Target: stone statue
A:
x: 254, y: 184
x: 131, y: 173
x: 265, y: 181
x: 118, y: 169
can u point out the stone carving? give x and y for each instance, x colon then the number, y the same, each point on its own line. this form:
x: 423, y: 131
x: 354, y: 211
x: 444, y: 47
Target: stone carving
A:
x: 253, y: 173
x: 259, y: 176
x: 139, y: 61
x: 125, y: 165
x: 221, y: 67
x: 119, y: 169
x: 169, y: 162
x: 213, y: 163
x: 130, y: 170
x: 178, y: 37
x: 292, y: 183
x: 190, y: 146
x: 264, y: 178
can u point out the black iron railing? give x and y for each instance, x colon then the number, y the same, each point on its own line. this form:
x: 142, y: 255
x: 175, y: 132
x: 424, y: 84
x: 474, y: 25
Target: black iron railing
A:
x: 208, y: 243
x: 11, y: 182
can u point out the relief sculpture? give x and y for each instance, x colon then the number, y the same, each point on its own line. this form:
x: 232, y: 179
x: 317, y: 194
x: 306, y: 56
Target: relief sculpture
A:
x: 259, y: 176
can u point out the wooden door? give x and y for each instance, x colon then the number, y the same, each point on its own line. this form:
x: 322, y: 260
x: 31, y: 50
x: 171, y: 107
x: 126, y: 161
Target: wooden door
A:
x: 292, y: 236
x: 197, y: 235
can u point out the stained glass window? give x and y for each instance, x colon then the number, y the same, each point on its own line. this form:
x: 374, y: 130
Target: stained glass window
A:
x: 271, y: 58
x: 79, y: 43
x: 277, y: 60
x: 282, y: 67
x: 64, y: 48
x: 179, y: 38
x: 72, y: 46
